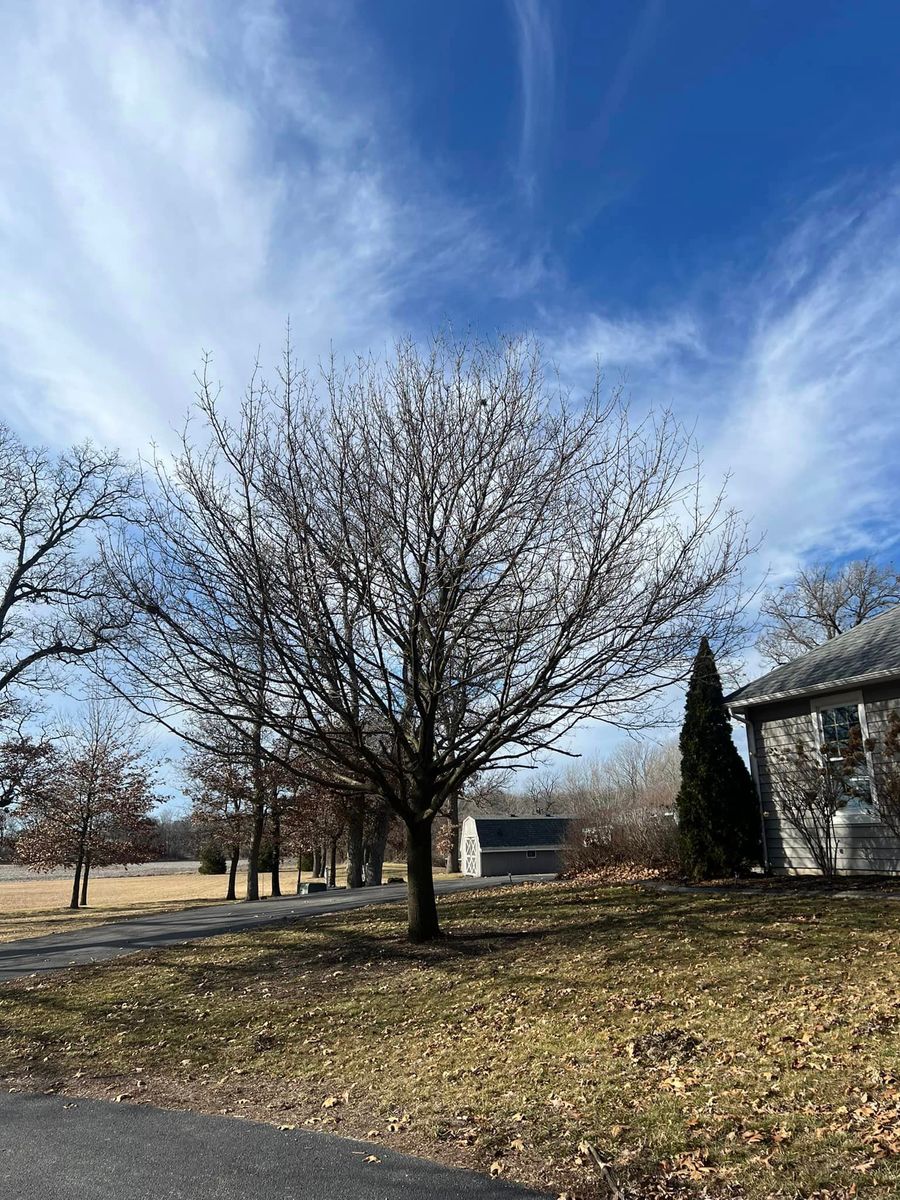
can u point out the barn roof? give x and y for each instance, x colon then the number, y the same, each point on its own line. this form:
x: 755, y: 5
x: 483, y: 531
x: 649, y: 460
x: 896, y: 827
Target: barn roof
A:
x: 520, y: 833
x: 866, y: 653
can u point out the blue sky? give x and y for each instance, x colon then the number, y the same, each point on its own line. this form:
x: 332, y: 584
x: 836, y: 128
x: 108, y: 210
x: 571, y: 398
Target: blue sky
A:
x: 704, y: 196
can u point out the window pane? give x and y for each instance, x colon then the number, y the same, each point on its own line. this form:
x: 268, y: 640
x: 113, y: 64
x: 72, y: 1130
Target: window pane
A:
x: 840, y: 728
x: 842, y: 735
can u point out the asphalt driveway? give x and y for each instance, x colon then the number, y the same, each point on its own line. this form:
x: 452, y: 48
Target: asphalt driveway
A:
x: 97, y: 943
x: 55, y: 1148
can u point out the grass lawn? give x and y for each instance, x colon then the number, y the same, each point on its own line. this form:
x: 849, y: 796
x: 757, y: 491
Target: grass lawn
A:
x: 34, y: 907
x: 723, y: 1045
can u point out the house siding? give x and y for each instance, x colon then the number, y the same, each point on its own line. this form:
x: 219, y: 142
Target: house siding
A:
x: 865, y: 846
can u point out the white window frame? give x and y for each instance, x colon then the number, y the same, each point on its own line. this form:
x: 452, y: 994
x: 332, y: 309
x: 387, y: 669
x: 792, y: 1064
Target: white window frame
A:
x: 841, y: 700
x: 531, y: 853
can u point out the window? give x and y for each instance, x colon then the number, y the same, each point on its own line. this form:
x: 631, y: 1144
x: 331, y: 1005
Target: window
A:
x: 840, y: 730
x: 843, y: 738
x: 531, y: 853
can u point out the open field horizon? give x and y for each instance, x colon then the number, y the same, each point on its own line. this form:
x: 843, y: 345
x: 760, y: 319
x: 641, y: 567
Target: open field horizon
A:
x: 35, y: 906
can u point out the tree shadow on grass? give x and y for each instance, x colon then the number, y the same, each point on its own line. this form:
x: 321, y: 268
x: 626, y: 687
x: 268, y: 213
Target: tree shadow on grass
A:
x: 667, y: 932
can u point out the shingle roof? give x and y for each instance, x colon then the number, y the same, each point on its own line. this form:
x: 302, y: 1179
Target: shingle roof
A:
x: 520, y: 833
x: 870, y: 650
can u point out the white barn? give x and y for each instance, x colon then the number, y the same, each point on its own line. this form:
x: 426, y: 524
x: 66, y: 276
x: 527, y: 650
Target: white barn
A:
x: 512, y: 845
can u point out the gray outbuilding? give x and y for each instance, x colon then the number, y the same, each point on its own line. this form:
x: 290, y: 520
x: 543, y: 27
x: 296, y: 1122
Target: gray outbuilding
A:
x: 512, y: 845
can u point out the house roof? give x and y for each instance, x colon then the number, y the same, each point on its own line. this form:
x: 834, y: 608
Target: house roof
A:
x: 521, y: 833
x: 864, y: 654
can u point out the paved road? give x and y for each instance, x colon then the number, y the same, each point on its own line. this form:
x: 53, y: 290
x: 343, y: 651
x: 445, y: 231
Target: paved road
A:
x: 30, y: 955
x: 55, y: 1148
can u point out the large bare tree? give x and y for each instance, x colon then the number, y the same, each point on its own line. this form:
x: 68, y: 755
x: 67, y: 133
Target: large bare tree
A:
x: 825, y: 599
x: 448, y: 563
x: 55, y: 606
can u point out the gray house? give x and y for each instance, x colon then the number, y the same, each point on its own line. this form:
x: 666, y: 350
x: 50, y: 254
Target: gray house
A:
x: 843, y: 689
x: 512, y: 845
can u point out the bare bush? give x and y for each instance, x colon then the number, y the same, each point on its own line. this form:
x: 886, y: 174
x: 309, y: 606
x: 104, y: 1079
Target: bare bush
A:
x: 813, y: 784
x: 643, y: 841
x: 625, y: 809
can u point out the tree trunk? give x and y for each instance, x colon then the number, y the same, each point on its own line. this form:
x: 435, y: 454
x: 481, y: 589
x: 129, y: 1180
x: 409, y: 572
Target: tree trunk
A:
x: 375, y: 844
x: 276, y: 852
x: 76, y: 885
x: 317, y: 862
x: 355, y: 823
x: 259, y: 818
x: 332, y: 868
x: 84, y: 879
x: 299, y: 870
x: 231, y: 894
x: 423, y: 917
x: 453, y: 853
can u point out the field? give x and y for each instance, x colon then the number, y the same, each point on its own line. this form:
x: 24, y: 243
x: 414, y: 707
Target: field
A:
x: 33, y: 907
x: 591, y: 1040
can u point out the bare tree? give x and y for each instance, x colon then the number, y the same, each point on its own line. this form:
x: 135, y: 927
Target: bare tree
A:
x: 812, y: 785
x: 886, y: 760
x: 638, y: 776
x: 221, y: 793
x: 826, y: 599
x: 624, y: 804
x: 55, y: 604
x: 446, y: 525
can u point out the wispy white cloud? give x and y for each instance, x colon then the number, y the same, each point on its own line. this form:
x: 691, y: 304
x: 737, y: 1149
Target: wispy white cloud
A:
x: 790, y: 377
x: 537, y: 78
x: 618, y: 342
x: 172, y: 181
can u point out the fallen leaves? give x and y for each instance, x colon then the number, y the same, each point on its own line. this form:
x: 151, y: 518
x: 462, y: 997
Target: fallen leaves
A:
x: 660, y: 1046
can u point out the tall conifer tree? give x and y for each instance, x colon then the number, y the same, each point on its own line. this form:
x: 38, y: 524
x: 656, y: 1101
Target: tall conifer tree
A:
x: 718, y: 811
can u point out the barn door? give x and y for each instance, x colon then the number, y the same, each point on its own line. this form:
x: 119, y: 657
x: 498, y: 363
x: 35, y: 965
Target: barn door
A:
x: 470, y: 857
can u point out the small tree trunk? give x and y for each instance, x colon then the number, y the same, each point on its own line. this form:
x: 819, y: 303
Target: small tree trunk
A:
x: 76, y: 884
x: 317, y: 862
x: 84, y: 879
x: 355, y: 823
x: 299, y: 870
x: 422, y: 907
x: 276, y: 852
x: 259, y: 816
x: 231, y: 894
x: 453, y: 852
x: 376, y: 844
x: 332, y: 869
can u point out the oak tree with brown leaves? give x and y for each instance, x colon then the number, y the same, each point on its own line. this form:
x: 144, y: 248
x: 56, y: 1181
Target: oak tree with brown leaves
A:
x: 92, y: 809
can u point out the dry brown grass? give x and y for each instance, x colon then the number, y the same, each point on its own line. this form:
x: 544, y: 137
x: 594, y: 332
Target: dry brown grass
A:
x: 700, y: 1045
x: 35, y: 907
